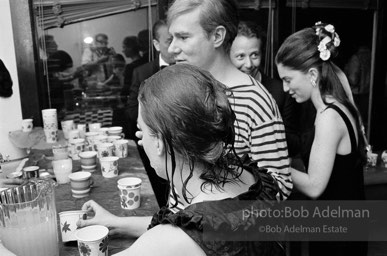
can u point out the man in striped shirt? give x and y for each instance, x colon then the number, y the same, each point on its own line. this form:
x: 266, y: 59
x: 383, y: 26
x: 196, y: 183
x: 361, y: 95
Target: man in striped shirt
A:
x: 203, y: 31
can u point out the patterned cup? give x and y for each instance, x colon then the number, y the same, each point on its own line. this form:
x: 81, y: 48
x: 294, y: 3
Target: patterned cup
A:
x: 82, y: 130
x: 27, y: 125
x: 121, y: 148
x: 109, y: 166
x: 77, y: 146
x: 130, y: 192
x: 105, y: 149
x: 51, y: 135
x: 93, y: 240
x: 68, y: 224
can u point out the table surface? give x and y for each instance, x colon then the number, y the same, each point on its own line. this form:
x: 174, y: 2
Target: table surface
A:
x: 105, y: 193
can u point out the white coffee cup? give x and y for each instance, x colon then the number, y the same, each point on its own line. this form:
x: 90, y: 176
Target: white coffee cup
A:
x: 67, y: 126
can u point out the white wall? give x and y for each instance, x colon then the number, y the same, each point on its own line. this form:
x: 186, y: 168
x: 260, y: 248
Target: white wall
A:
x: 10, y: 108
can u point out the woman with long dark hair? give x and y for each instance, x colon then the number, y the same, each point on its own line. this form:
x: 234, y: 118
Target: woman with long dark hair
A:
x: 335, y: 169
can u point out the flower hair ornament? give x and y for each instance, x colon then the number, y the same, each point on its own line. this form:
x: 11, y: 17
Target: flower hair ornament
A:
x: 328, y: 37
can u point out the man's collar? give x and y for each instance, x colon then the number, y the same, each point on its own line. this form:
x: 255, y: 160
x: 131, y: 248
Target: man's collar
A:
x: 162, y: 62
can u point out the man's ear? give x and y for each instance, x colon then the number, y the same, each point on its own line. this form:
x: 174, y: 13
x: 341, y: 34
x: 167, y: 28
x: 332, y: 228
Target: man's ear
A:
x: 156, y: 44
x: 219, y: 36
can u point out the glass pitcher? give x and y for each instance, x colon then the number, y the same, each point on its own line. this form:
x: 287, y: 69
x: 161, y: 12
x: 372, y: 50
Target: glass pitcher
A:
x: 28, y: 221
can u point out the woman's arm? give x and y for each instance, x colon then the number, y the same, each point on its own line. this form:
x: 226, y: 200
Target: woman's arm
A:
x: 329, y: 131
x: 164, y: 240
x: 131, y: 226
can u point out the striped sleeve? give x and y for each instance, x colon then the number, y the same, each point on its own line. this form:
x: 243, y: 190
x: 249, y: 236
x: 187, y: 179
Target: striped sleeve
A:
x: 260, y: 133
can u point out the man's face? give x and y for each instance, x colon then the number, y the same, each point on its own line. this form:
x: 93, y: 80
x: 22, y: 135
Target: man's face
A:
x: 162, y: 44
x: 190, y: 42
x: 246, y: 54
x: 101, y: 43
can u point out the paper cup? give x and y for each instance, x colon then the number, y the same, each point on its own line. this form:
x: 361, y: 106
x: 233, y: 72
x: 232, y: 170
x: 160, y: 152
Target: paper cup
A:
x: 103, y: 131
x: 67, y: 126
x: 68, y: 224
x: 109, y: 166
x: 372, y: 159
x: 50, y: 119
x: 130, y: 192
x: 384, y: 158
x: 82, y: 130
x: 93, y: 240
x: 60, y: 151
x: 62, y: 169
x: 73, y: 135
x: 27, y: 125
x: 51, y: 135
x: 121, y: 148
x: 105, y: 149
x: 31, y: 172
x: 77, y: 146
x: 94, y: 127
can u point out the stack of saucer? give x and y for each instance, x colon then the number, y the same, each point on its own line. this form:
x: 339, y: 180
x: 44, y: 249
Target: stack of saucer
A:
x: 88, y: 161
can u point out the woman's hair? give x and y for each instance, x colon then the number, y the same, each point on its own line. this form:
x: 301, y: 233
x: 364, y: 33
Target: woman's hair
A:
x: 213, y: 13
x: 189, y: 110
x: 315, y: 48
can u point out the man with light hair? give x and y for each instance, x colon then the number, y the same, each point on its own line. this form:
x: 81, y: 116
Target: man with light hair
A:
x: 203, y: 32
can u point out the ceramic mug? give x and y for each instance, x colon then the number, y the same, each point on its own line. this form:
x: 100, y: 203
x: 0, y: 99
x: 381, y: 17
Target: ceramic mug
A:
x: 27, y: 125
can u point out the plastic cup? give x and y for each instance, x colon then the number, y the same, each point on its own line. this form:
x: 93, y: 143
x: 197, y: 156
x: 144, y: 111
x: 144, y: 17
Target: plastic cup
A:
x: 130, y: 192
x: 68, y: 224
x: 109, y: 166
x: 93, y: 240
x: 62, y: 169
x: 27, y: 125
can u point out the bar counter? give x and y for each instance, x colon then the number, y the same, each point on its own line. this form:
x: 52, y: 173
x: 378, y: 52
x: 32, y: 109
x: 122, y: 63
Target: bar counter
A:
x: 105, y: 193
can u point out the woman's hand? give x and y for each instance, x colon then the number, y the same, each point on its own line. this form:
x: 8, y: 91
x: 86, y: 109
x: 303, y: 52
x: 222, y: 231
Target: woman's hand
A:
x: 101, y: 217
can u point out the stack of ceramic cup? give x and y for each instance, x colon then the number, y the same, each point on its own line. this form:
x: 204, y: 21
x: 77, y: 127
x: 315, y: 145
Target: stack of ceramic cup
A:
x: 50, y: 124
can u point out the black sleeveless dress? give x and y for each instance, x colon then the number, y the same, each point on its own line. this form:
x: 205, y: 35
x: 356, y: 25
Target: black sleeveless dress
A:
x: 346, y: 183
x: 198, y: 218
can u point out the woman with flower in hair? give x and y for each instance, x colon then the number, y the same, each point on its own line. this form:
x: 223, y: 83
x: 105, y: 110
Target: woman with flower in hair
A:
x: 337, y: 155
